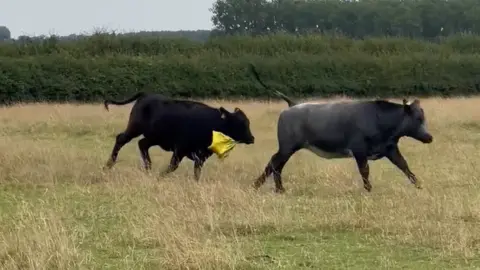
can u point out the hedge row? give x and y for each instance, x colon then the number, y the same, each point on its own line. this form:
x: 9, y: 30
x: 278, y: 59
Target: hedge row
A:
x: 273, y: 45
x: 62, y: 78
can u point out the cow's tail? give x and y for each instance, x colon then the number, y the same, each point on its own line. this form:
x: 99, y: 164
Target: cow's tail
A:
x: 123, y: 102
x: 289, y: 101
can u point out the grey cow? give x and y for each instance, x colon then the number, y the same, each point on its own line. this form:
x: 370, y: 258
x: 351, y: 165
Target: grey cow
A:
x: 364, y: 130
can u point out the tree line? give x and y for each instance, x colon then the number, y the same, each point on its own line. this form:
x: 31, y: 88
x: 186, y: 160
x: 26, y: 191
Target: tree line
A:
x: 354, y: 18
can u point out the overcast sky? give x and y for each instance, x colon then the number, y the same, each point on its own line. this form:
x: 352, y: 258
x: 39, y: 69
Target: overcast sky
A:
x: 64, y: 17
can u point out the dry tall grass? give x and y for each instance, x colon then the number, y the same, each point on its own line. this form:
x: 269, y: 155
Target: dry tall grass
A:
x: 59, y: 210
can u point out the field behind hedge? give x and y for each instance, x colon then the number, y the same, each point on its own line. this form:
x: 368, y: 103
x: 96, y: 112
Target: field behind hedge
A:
x: 108, y: 65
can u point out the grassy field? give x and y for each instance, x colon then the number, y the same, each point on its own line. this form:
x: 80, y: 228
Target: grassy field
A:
x: 59, y: 210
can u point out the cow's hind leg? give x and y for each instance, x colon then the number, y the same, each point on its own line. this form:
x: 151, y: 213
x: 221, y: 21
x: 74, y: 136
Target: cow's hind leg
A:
x: 144, y: 145
x: 398, y: 160
x: 362, y: 164
x: 121, y: 139
x: 275, y: 166
x: 177, y: 157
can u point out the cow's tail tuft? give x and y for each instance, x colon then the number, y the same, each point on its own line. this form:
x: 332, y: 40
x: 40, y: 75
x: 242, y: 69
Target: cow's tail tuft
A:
x: 290, y: 102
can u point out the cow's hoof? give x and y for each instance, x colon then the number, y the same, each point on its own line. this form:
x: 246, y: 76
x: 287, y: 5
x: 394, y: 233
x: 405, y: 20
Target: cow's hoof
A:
x: 280, y: 190
x: 146, y: 171
x: 258, y: 182
x: 109, y: 163
x: 256, y: 185
x: 418, y: 186
x: 368, y: 188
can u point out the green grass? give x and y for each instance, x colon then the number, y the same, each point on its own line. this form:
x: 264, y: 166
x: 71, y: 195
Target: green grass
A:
x: 326, y: 249
x: 101, y: 219
x: 60, y: 210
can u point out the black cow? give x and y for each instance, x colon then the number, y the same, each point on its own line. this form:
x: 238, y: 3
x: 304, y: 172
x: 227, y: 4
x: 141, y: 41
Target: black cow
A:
x: 364, y: 130
x: 180, y: 126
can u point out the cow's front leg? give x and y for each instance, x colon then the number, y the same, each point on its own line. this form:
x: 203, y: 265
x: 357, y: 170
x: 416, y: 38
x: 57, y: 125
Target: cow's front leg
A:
x: 362, y: 164
x: 398, y: 160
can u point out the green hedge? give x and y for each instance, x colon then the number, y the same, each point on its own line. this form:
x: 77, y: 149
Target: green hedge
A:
x: 440, y: 69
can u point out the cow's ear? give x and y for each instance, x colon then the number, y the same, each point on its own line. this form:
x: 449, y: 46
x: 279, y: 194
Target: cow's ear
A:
x: 239, y: 112
x: 405, y: 102
x: 407, y: 107
x: 223, y: 113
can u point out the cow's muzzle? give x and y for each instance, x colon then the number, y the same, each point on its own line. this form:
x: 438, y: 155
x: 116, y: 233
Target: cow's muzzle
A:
x: 251, y: 140
x: 427, y: 138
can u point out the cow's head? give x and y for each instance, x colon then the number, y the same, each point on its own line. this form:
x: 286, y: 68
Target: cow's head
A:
x: 415, y: 124
x: 237, y: 125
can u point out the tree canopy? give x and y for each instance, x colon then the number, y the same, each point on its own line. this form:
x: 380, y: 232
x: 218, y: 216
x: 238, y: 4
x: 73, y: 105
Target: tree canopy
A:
x: 357, y: 19
x: 4, y: 33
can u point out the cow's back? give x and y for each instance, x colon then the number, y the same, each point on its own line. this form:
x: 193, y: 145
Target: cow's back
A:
x: 189, y: 125
x: 329, y: 125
